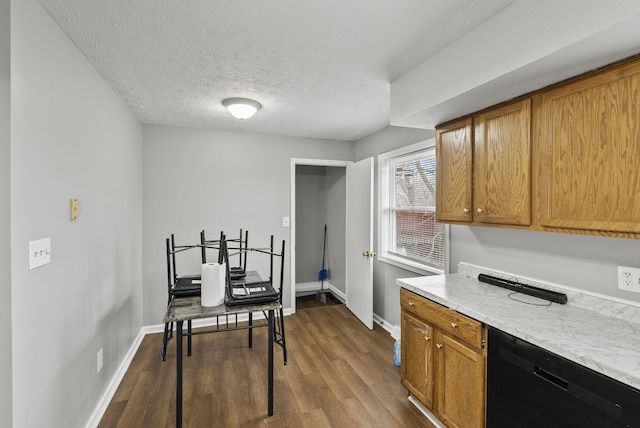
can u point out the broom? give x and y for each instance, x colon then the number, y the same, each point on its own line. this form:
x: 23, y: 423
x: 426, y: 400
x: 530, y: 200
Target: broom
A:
x: 323, y: 274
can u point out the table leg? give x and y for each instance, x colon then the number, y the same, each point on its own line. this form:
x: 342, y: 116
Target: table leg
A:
x: 270, y: 362
x: 189, y: 338
x: 179, y: 374
x: 250, y: 329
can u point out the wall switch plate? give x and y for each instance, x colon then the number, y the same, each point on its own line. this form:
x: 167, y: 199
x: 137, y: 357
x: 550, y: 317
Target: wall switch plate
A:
x: 285, y: 221
x: 39, y: 253
x: 73, y: 209
x: 629, y: 278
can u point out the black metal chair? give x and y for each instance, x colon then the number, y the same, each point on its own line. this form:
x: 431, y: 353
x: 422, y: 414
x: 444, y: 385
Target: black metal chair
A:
x: 189, y: 285
x: 220, y: 246
x: 177, y: 286
x: 242, y: 247
x: 279, y: 335
x: 183, y: 285
x: 278, y: 327
x: 207, y: 244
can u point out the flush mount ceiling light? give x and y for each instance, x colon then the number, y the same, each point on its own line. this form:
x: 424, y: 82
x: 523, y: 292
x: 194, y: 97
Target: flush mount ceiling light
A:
x: 241, y: 108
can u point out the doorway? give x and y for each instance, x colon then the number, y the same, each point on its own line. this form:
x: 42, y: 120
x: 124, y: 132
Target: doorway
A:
x: 318, y: 197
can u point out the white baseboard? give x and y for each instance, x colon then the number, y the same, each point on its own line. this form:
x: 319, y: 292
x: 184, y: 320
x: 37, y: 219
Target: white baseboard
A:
x: 109, y: 392
x: 435, y: 421
x: 308, y: 287
x: 387, y: 326
x: 303, y: 288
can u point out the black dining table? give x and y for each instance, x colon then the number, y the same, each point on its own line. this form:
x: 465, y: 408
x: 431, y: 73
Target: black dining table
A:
x: 190, y: 308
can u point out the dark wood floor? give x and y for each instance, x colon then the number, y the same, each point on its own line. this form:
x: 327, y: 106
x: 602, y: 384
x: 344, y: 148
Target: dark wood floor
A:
x: 310, y: 302
x: 340, y: 374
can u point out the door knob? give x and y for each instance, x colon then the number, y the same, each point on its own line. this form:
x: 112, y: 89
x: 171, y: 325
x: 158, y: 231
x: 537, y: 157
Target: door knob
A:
x: 369, y: 254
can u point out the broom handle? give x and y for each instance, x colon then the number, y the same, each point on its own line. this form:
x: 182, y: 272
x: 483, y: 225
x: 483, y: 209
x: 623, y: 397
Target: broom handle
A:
x: 324, y: 246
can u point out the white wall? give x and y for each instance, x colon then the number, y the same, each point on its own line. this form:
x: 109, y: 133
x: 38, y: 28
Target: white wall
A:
x: 585, y: 262
x: 5, y: 223
x: 386, y: 294
x: 310, y: 216
x: 336, y: 208
x: 320, y: 199
x: 527, y: 45
x: 197, y: 179
x: 71, y: 137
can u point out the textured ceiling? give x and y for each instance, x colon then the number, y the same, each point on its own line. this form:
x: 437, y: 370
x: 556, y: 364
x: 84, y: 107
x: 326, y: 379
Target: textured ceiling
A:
x: 320, y: 68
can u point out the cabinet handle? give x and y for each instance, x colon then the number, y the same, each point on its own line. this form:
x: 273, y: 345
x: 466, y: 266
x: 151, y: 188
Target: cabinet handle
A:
x: 410, y: 303
x: 439, y: 345
x: 466, y: 210
x: 454, y: 325
x: 479, y: 210
x: 427, y: 338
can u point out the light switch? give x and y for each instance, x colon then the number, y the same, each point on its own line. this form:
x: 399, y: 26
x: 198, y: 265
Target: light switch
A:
x: 39, y: 253
x: 285, y: 221
x: 74, y: 208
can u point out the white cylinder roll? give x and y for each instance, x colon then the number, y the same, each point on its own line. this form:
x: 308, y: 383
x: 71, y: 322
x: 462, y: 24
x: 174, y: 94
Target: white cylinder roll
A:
x: 212, y: 285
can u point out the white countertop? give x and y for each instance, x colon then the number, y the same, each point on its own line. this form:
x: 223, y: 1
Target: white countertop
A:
x: 603, y: 339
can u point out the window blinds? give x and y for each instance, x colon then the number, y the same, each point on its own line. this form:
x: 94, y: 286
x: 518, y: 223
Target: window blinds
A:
x: 415, y: 233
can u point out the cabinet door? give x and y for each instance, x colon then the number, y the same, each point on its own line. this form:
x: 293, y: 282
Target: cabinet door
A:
x: 502, y: 165
x: 416, y: 370
x: 589, y: 134
x: 454, y: 174
x: 460, y: 384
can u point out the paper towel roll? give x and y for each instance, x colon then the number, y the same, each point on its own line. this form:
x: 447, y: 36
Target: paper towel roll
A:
x: 212, y: 287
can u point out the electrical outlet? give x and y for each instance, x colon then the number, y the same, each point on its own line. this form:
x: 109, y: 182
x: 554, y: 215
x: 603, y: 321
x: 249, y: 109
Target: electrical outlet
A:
x: 629, y: 278
x: 99, y: 360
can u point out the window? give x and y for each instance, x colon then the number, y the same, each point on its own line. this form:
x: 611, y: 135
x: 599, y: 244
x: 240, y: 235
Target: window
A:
x: 408, y: 234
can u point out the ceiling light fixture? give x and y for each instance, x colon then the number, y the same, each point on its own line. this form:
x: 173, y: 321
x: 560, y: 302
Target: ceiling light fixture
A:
x: 241, y: 108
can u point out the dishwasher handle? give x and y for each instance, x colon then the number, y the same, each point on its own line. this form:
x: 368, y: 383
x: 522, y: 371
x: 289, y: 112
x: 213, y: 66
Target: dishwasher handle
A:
x: 550, y: 377
x: 533, y: 368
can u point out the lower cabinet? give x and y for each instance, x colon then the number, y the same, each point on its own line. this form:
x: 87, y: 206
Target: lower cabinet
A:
x: 443, y: 361
x: 460, y: 383
x: 416, y: 367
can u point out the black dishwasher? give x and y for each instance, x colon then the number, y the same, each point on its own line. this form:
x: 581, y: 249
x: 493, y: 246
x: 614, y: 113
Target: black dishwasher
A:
x: 529, y: 387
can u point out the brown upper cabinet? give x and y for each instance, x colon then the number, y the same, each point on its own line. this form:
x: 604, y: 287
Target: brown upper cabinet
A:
x: 454, y: 157
x: 563, y: 159
x: 589, y: 138
x: 484, y: 167
x: 502, y: 165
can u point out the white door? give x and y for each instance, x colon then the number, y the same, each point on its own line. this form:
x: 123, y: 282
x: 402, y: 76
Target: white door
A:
x: 359, y: 230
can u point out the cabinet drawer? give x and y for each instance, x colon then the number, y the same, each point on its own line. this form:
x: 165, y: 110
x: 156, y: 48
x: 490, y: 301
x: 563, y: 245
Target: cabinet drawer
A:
x: 447, y: 320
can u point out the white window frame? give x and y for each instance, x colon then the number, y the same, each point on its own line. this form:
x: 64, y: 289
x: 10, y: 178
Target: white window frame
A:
x: 385, y: 185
